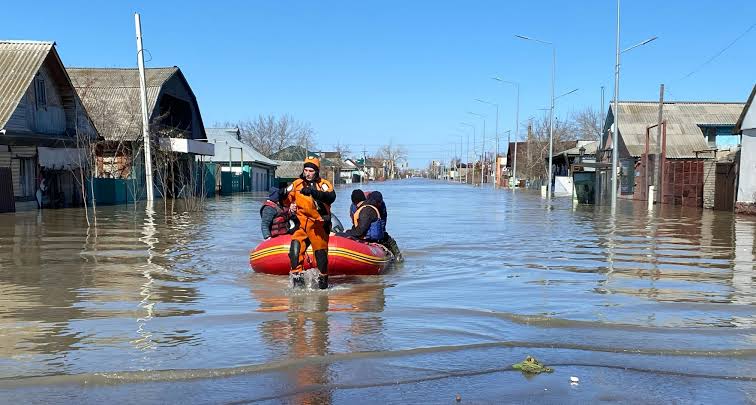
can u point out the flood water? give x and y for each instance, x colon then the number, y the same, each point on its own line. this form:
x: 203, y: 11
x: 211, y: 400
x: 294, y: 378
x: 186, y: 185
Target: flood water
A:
x: 149, y: 308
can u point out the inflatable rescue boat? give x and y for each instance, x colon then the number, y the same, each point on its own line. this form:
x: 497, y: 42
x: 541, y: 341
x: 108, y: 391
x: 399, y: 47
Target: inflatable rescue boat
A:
x: 345, y: 257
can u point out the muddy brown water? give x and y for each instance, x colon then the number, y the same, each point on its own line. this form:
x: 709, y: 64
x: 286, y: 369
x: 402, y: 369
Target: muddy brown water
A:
x: 147, y: 308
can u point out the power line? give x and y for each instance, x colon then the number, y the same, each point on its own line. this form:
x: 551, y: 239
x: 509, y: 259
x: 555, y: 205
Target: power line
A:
x: 739, y: 37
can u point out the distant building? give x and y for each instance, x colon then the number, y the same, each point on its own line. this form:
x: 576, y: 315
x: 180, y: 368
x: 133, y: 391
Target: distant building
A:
x: 255, y: 171
x: 330, y: 168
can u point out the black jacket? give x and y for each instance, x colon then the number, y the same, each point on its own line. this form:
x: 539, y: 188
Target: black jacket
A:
x: 368, y: 215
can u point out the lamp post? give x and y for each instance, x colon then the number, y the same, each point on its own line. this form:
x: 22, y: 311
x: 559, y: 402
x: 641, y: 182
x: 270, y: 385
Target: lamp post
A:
x: 496, y: 133
x: 482, y: 148
x: 517, y: 125
x: 551, y: 115
x: 615, y: 112
x: 467, y: 164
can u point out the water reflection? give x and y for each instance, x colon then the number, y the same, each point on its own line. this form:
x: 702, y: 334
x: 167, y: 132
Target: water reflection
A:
x: 309, y: 326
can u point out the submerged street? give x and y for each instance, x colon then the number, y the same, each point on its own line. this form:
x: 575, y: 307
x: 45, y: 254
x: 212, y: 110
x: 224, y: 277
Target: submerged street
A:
x: 152, y: 308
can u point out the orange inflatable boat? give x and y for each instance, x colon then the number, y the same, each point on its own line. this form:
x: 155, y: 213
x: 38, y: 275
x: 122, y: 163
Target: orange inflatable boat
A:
x: 345, y: 257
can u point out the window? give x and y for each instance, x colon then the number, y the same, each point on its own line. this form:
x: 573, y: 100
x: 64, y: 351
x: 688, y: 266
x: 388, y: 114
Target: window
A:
x: 40, y: 94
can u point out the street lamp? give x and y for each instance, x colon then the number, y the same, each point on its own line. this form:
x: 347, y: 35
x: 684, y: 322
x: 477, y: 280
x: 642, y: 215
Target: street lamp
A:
x: 467, y: 163
x: 615, y: 133
x: 482, y: 148
x: 551, y: 115
x: 517, y: 125
x: 496, y: 133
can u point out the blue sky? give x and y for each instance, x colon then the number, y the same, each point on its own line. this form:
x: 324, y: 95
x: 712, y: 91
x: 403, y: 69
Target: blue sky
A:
x: 367, y: 73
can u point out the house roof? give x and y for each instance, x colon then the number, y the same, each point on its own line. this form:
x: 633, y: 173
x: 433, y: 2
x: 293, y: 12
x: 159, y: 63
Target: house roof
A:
x: 296, y: 153
x: 684, y: 121
x: 288, y: 169
x: 590, y: 148
x: 226, y: 141
x: 747, y: 119
x: 19, y: 63
x: 112, y: 96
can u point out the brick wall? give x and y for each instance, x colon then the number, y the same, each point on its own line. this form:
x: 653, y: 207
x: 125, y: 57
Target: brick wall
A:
x: 709, y: 182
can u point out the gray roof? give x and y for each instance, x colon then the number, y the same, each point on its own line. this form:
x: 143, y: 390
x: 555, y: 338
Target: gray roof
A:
x: 112, y: 97
x: 684, y: 134
x: 288, y: 169
x: 19, y: 62
x: 590, y: 148
x: 223, y: 138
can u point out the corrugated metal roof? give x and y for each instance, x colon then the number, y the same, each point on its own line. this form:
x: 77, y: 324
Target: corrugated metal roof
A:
x: 684, y: 135
x: 590, y: 149
x: 111, y: 96
x: 223, y: 138
x: 19, y: 62
x: 288, y: 169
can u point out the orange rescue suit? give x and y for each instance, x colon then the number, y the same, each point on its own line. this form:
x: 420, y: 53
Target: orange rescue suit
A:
x: 312, y: 215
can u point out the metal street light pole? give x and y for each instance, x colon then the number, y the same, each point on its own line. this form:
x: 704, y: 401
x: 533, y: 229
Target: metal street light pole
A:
x: 517, y: 126
x: 551, y: 115
x: 615, y: 112
x: 496, y: 155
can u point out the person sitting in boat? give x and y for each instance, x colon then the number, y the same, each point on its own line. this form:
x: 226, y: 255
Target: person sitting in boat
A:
x: 366, y: 219
x: 276, y: 218
x: 358, y: 196
x: 310, y: 197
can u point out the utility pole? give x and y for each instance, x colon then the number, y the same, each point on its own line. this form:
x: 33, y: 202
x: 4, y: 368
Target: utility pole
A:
x: 364, y: 165
x: 145, y: 113
x: 658, y: 160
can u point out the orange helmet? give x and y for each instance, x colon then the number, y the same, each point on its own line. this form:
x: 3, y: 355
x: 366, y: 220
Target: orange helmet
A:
x: 312, y: 162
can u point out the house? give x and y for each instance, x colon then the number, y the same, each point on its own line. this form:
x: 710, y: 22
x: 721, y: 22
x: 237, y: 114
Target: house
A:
x: 351, y: 172
x: 746, y: 126
x: 234, y: 156
x: 111, y: 96
x: 697, y: 133
x: 41, y: 120
x: 374, y: 168
x: 330, y: 168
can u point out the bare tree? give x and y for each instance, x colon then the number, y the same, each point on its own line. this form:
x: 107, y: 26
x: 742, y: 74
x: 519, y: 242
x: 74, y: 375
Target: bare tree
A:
x: 588, y: 123
x: 394, y: 156
x: 343, y: 150
x: 536, y: 159
x: 269, y: 134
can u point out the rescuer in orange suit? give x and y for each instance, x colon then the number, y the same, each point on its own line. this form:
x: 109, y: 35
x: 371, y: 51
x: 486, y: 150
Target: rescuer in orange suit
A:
x: 310, y: 198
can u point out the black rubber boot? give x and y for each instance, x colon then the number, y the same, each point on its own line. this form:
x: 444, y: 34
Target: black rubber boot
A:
x: 323, y: 281
x: 321, y: 256
x: 390, y: 243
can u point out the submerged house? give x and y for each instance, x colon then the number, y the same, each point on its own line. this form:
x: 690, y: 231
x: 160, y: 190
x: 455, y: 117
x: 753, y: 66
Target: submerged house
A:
x: 41, y: 122
x: 237, y: 162
x: 697, y: 135
x: 111, y: 96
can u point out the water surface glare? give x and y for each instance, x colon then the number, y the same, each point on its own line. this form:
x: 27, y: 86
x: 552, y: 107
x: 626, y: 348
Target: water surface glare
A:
x: 153, y: 307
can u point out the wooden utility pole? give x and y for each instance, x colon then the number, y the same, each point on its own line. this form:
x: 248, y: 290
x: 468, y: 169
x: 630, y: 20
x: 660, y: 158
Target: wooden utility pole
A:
x: 658, y: 160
